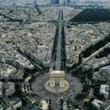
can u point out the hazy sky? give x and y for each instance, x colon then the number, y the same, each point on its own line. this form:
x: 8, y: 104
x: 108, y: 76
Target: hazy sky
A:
x: 94, y: 0
x: 44, y: 0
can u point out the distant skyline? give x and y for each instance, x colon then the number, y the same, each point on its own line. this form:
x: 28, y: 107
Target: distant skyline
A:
x: 52, y: 0
x: 46, y: 2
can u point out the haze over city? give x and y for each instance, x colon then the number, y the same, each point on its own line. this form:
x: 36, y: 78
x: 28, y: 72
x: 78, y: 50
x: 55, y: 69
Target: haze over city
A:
x: 54, y: 55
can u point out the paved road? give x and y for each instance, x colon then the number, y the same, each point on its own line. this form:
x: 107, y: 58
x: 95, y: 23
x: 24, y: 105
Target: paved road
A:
x: 58, y: 53
x: 92, y: 56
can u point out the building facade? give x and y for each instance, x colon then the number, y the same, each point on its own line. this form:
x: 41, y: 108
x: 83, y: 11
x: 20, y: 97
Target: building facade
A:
x: 57, y: 78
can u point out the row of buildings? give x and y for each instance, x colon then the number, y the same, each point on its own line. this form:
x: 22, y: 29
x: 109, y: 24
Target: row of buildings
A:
x: 48, y: 2
x: 65, y: 2
x: 39, y: 2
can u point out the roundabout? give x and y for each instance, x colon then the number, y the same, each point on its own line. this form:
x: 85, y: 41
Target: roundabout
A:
x: 41, y: 87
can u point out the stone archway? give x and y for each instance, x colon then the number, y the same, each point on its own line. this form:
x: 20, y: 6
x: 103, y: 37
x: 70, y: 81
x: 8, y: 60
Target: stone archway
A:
x: 57, y: 82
